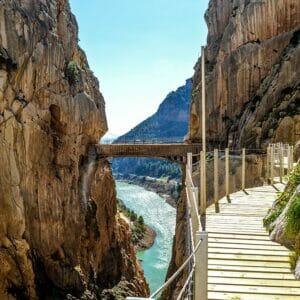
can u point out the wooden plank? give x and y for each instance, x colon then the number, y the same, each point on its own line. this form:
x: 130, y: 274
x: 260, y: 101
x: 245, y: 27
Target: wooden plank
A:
x: 246, y: 236
x: 248, y: 263
x: 276, y: 248
x: 255, y: 282
x: 248, y: 257
x: 238, y: 232
x: 229, y: 241
x: 259, y: 274
x: 241, y: 296
x: 254, y: 289
x: 248, y: 252
x: 247, y: 268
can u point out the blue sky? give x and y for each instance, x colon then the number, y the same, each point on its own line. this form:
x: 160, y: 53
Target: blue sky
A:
x: 140, y: 50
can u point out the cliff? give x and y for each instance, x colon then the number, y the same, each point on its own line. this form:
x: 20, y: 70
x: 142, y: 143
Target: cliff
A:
x: 59, y: 234
x: 252, y: 77
x: 252, y: 73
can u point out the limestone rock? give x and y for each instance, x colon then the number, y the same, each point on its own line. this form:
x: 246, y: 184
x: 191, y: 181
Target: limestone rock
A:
x: 59, y: 234
x: 252, y: 69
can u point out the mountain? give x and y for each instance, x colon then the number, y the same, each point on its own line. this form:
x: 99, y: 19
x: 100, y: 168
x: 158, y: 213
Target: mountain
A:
x: 169, y: 123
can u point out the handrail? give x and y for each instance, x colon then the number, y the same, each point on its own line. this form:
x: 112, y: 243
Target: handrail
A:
x: 171, y: 279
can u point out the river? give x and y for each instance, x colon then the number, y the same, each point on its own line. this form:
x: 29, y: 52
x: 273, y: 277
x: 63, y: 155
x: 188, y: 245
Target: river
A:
x: 162, y: 218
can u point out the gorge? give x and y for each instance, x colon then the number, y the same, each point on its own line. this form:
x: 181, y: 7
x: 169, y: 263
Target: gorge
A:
x: 60, y: 234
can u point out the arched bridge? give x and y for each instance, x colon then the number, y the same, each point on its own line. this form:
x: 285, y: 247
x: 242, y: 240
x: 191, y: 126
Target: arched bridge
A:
x: 173, y: 152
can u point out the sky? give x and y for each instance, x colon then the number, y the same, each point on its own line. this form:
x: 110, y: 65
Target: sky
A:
x: 140, y: 50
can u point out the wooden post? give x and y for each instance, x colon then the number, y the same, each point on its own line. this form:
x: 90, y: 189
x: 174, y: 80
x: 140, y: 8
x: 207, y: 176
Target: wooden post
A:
x: 268, y: 164
x: 281, y: 162
x: 292, y: 158
x: 201, y: 267
x: 203, y: 185
x: 216, y: 179
x: 272, y: 165
x: 227, y: 172
x: 203, y: 165
x: 288, y: 160
x: 243, y: 168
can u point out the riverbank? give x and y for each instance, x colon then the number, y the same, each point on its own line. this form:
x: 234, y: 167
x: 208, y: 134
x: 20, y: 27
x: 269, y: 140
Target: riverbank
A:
x: 161, y: 217
x: 143, y: 236
x: 167, y: 189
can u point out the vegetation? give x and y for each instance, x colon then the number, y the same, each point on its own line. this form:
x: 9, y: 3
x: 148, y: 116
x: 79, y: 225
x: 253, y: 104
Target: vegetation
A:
x: 293, y: 216
x: 147, y: 167
x: 293, y: 259
x: 283, y: 199
x: 137, y: 225
x: 72, y: 72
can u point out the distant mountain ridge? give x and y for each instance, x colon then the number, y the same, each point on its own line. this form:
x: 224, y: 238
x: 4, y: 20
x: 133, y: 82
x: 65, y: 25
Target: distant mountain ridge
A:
x: 170, y: 120
x: 169, y: 123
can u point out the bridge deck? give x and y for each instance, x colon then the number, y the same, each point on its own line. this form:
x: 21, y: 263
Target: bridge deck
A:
x: 147, y: 150
x: 243, y: 264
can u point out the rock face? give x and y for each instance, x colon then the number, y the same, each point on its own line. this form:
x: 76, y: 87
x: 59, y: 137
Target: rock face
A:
x: 59, y: 235
x: 252, y: 89
x: 252, y: 73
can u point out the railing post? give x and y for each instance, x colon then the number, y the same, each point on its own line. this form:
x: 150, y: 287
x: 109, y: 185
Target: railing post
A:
x: 243, y: 168
x: 281, y: 166
x: 203, y: 184
x: 272, y: 164
x: 268, y: 164
x: 201, y: 267
x: 216, y: 179
x: 227, y: 172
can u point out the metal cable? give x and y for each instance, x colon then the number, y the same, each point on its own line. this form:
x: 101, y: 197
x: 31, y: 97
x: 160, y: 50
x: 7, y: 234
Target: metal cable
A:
x: 171, y: 279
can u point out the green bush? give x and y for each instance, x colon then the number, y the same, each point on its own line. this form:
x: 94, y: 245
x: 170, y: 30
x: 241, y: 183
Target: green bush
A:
x: 283, y: 199
x: 293, y: 258
x: 72, y: 72
x: 293, y: 216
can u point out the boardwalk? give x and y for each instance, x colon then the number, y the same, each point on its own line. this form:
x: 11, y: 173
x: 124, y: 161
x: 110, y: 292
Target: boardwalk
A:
x: 242, y: 261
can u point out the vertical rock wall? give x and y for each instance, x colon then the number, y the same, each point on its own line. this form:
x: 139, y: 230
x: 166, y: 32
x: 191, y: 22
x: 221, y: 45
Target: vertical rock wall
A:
x: 253, y: 89
x: 252, y: 73
x: 59, y: 233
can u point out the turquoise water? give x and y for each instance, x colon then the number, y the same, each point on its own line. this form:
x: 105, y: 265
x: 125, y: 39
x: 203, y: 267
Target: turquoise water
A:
x: 161, y: 217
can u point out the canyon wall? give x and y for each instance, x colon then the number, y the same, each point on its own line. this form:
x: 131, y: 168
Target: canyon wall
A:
x: 252, y: 91
x: 252, y: 74
x: 59, y: 234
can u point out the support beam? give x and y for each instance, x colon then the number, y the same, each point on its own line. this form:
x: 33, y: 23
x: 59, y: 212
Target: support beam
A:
x: 216, y: 179
x: 281, y: 162
x: 201, y: 267
x: 227, y: 192
x: 203, y: 184
x: 272, y: 157
x: 203, y: 165
x: 243, y: 168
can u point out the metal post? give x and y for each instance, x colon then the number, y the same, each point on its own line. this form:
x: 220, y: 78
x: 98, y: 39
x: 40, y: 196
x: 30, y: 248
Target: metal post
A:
x: 203, y: 185
x: 272, y: 164
x: 203, y: 165
x: 227, y: 172
x: 243, y: 168
x: 201, y: 267
x: 281, y: 166
x: 216, y: 179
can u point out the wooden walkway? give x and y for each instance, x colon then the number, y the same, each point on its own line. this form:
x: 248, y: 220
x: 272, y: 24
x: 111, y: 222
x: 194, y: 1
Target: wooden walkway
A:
x: 243, y: 264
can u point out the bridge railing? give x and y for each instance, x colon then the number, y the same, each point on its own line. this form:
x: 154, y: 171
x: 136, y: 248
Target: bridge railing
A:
x: 147, y: 141
x: 229, y: 171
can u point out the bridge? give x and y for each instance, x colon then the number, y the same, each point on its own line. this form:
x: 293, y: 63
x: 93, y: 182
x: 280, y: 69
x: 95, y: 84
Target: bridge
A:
x: 230, y: 255
x: 173, y: 152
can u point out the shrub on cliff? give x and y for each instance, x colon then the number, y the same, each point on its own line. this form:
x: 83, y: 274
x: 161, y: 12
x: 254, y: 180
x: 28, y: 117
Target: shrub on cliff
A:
x: 283, y: 199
